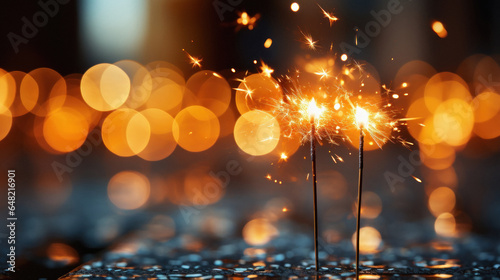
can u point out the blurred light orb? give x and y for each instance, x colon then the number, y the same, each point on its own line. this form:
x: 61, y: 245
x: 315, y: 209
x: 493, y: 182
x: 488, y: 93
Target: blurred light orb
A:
x: 257, y: 133
x: 288, y: 145
x: 196, y: 128
x: 7, y: 88
x: 5, y: 121
x: 126, y: 132
x: 65, y: 129
x: 369, y: 240
x: 257, y: 92
x: 161, y: 140
x: 445, y: 225
x: 129, y: 190
x: 62, y: 253
x: 441, y: 200
x: 259, y: 232
x: 438, y: 27
x: 486, y: 105
x: 105, y: 87
x: 39, y: 88
x: 295, y: 7
x: 25, y: 100
x: 141, y: 82
x: 371, y: 205
x: 212, y: 91
x: 453, y: 121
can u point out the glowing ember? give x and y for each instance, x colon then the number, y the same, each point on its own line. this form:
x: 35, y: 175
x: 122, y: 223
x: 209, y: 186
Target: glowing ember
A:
x: 268, y: 43
x: 246, y: 20
x: 438, y: 27
x: 294, y: 7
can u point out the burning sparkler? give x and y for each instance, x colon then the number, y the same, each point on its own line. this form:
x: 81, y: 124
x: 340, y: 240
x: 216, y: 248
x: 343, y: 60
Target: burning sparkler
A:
x: 362, y: 118
x: 314, y: 113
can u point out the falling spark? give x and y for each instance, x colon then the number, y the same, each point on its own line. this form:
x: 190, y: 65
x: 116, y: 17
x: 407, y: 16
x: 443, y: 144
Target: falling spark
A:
x: 331, y: 18
x: 404, y: 85
x: 283, y: 157
x: 343, y: 57
x: 284, y: 209
x: 334, y: 160
x: 417, y: 179
x: 233, y: 70
x: 196, y: 62
x: 268, y: 177
x: 248, y: 92
x: 323, y: 73
x: 295, y: 7
x: 309, y: 41
x: 265, y: 69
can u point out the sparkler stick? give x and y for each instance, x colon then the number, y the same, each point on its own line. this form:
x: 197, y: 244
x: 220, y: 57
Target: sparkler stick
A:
x: 315, y: 203
x: 312, y: 110
x: 361, y: 120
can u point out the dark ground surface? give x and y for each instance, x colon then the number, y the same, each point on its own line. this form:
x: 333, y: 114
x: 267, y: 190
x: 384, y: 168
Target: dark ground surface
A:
x: 139, y: 257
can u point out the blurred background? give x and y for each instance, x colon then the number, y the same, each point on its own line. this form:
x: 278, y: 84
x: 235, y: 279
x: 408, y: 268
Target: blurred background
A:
x: 87, y: 173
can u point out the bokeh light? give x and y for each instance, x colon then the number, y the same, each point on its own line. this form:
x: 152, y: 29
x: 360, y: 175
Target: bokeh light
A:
x: 105, y: 87
x: 441, y: 200
x: 370, y: 240
x: 62, y: 253
x: 7, y: 88
x: 5, y: 121
x: 211, y: 90
x: 438, y: 27
x: 196, y: 128
x: 126, y: 132
x: 257, y: 92
x: 129, y: 190
x: 445, y: 225
x: 141, y: 82
x: 161, y: 140
x: 258, y: 232
x: 65, y: 129
x: 257, y: 133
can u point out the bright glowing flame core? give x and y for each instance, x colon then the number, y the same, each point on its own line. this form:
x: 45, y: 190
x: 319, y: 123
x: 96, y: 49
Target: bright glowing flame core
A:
x: 362, y: 117
x: 313, y: 110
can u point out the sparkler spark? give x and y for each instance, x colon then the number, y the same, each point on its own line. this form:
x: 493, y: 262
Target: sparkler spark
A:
x: 265, y: 69
x: 323, y: 73
x: 309, y: 41
x: 331, y: 18
x: 283, y: 157
x: 196, y: 62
